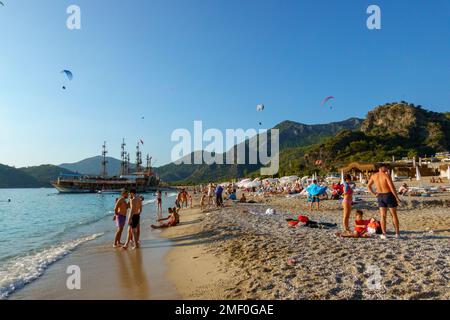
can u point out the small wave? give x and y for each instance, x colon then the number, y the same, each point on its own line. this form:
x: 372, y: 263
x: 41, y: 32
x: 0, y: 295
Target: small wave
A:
x: 20, y: 271
x: 149, y: 202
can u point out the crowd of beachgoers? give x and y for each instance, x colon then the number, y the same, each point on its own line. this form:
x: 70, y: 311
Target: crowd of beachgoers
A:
x: 287, y: 239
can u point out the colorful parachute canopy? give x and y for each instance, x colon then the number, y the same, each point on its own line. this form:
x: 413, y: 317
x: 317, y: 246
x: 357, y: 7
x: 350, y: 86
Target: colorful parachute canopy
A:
x: 260, y: 107
x: 327, y: 99
x: 68, y: 74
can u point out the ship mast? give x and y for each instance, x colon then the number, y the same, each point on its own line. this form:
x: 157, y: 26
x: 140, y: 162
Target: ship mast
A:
x: 128, y: 166
x: 138, y: 159
x: 149, y: 164
x: 104, y: 161
x: 123, y: 162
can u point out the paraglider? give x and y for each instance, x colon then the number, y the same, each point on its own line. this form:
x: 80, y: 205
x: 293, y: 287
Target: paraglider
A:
x: 260, y: 108
x: 69, y: 76
x: 326, y: 100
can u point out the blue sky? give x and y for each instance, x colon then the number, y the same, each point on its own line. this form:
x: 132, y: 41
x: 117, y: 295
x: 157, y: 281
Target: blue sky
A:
x: 176, y: 61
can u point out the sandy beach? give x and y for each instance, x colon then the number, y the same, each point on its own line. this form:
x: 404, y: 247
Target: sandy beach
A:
x: 238, y: 252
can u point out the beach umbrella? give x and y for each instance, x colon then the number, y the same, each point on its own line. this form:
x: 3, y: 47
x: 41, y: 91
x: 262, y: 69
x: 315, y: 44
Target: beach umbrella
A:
x: 420, y: 162
x: 393, y: 175
x: 360, y: 177
x: 448, y: 173
x: 342, y: 177
x: 418, y: 176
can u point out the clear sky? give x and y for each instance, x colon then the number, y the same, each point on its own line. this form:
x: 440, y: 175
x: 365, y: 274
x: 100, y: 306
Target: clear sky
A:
x: 176, y: 61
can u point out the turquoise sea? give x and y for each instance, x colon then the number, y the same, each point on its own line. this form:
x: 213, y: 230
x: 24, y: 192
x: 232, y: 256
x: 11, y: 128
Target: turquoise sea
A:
x: 40, y: 226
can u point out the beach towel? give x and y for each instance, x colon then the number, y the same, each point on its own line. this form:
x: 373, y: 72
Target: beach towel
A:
x: 315, y: 190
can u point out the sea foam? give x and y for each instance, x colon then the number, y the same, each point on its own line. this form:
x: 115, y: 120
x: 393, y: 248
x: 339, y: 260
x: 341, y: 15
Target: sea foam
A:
x: 20, y: 271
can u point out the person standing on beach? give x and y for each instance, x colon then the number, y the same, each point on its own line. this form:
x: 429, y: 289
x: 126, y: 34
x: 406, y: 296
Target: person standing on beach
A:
x: 120, y: 216
x: 219, y: 198
x: 347, y: 203
x: 387, y: 196
x: 210, y: 193
x: 134, y: 220
x: 159, y: 200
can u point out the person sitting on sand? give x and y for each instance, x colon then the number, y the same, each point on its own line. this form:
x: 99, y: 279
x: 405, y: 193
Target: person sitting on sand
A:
x: 120, y: 216
x: 172, y: 220
x: 243, y: 198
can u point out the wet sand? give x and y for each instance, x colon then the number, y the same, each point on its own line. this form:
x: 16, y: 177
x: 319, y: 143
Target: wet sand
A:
x: 109, y: 274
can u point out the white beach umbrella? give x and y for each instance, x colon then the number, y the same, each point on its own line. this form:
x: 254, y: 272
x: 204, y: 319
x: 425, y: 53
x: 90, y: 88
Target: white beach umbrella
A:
x: 393, y: 175
x: 418, y: 176
x: 448, y: 173
x: 360, y: 177
x: 342, y: 177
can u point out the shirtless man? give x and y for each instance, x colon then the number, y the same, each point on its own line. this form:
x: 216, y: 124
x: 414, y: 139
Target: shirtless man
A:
x: 120, y: 216
x: 387, y: 198
x: 134, y: 220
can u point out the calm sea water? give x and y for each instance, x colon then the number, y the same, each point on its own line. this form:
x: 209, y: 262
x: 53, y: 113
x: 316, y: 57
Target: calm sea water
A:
x: 39, y: 227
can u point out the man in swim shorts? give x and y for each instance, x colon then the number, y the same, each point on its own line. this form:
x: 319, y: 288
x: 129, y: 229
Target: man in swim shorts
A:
x: 387, y: 196
x: 120, y: 216
x: 134, y: 220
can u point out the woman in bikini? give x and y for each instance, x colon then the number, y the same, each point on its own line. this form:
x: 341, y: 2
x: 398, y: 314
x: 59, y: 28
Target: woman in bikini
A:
x: 347, y: 204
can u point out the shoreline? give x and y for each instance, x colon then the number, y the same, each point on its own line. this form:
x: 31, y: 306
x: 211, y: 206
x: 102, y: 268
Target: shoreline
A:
x: 107, y: 273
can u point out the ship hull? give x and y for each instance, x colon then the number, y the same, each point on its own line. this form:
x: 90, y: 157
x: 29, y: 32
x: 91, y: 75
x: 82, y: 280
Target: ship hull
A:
x: 102, y: 186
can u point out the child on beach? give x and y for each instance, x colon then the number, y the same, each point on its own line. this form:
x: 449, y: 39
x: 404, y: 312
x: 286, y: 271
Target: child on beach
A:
x: 159, y: 200
x: 361, y: 225
x: 314, y: 224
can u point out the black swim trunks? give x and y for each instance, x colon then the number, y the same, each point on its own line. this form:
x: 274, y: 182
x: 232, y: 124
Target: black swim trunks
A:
x: 387, y: 200
x: 135, y: 220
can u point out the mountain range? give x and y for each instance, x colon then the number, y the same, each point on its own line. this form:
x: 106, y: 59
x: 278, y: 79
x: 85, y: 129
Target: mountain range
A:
x: 394, y: 129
